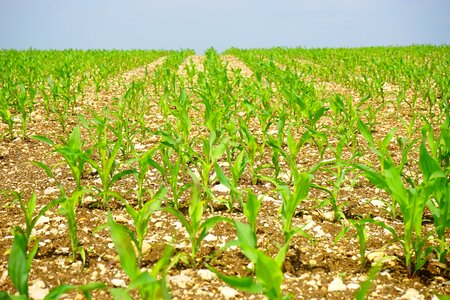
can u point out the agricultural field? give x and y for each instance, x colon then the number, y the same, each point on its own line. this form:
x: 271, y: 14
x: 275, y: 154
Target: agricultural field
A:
x: 250, y: 174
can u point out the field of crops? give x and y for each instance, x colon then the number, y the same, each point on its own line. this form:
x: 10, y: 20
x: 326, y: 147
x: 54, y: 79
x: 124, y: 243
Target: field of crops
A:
x: 251, y: 174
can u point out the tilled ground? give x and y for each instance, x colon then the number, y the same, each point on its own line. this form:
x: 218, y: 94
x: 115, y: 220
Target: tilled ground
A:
x: 318, y: 269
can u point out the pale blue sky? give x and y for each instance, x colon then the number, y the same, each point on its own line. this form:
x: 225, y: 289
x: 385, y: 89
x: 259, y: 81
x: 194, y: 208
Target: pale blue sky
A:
x: 200, y: 24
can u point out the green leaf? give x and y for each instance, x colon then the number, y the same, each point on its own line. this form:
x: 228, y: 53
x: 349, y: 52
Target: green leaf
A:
x: 17, y: 262
x: 44, y: 139
x: 269, y: 274
x: 120, y: 294
x: 218, y: 151
x: 394, y: 182
x: 58, y: 291
x: 365, y: 132
x: 246, y: 284
x: 121, y: 175
x: 222, y: 178
x: 45, y: 168
x: 251, y: 209
x: 427, y: 164
x: 5, y: 296
x: 245, y: 234
x: 143, y: 280
x: 124, y: 248
x: 31, y: 207
x: 375, y: 177
x: 177, y: 214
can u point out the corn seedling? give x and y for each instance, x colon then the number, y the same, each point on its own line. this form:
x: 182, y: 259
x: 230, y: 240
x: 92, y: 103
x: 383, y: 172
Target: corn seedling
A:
x: 72, y: 152
x: 436, y: 180
x: 196, y: 228
x: 141, y: 219
x: 107, y: 152
x: 412, y: 201
x: 5, y: 112
x: 268, y: 274
x: 29, y: 209
x: 148, y: 284
x: 68, y: 204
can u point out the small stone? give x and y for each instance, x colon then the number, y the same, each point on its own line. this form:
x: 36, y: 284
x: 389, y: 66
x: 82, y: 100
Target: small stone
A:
x: 220, y: 188
x: 328, y: 215
x: 312, y: 283
x: 3, y: 277
x: 210, y: 238
x: 43, y: 220
x: 284, y: 177
x: 167, y: 238
x: 146, y: 247
x: 206, y: 274
x: 337, y: 285
x: 37, y: 290
x: 102, y: 269
x: 353, y: 286
x: 387, y: 274
x: 180, y: 280
x: 319, y: 231
x: 118, y: 282
x: 177, y: 225
x: 378, y: 203
x: 79, y: 297
x: 94, y: 275
x: 228, y: 292
x: 88, y: 200
x: 303, y: 276
x: 139, y: 147
x: 64, y: 250
x: 121, y: 219
x: 375, y: 256
x: 50, y: 190
x: 412, y: 294
x: 308, y: 225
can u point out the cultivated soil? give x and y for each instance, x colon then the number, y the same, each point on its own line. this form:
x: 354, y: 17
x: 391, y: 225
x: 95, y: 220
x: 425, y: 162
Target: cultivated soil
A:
x: 312, y: 268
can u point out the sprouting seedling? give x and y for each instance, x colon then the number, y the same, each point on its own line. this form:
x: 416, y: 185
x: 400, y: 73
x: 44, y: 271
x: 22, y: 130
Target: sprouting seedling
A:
x: 108, y: 164
x: 251, y: 209
x: 237, y: 168
x: 268, y: 274
x: 364, y: 289
x: 19, y: 262
x: 5, y: 112
x: 141, y: 219
x: 411, y: 200
x: 292, y: 200
x: 196, y: 228
x: 31, y: 215
x: 361, y: 234
x: 26, y: 105
x: 173, y: 159
x: 150, y: 285
x: 213, y: 149
x: 436, y: 173
x: 68, y: 203
x: 72, y: 151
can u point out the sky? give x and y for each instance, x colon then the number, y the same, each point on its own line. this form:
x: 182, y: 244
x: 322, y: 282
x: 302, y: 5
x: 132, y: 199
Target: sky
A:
x: 201, y: 24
